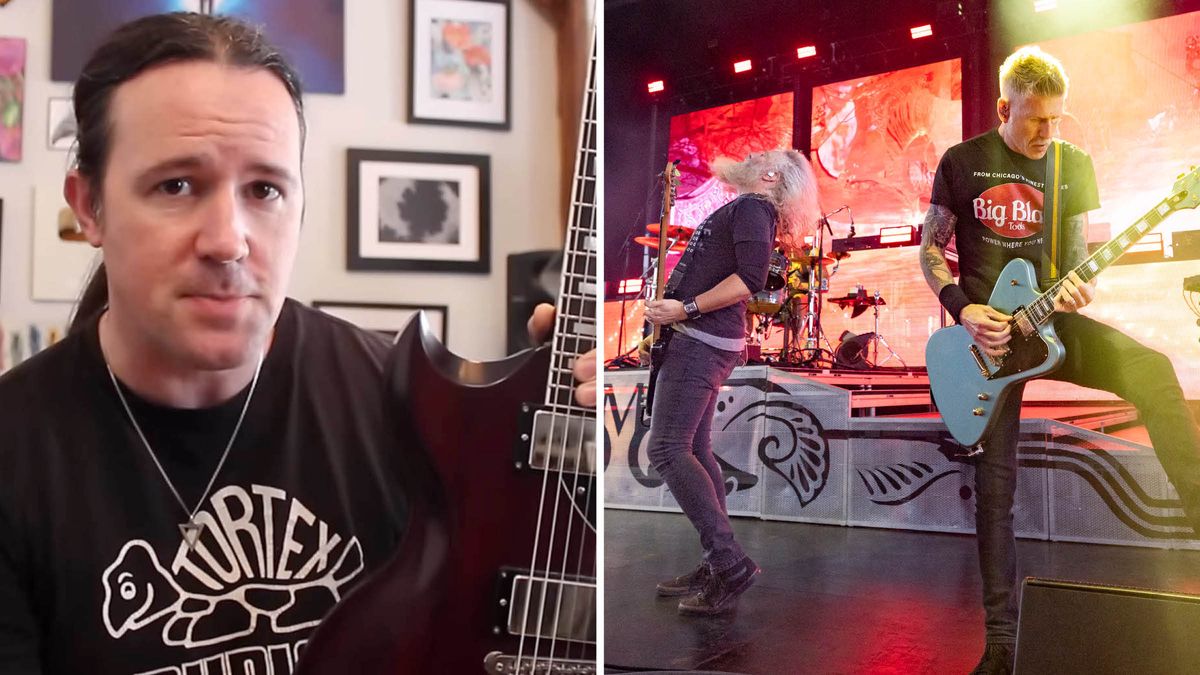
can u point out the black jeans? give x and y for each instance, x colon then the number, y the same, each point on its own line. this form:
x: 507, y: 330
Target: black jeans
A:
x: 1100, y: 357
x: 680, y: 444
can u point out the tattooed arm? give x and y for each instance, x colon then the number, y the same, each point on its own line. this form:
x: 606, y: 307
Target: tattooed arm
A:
x: 935, y: 237
x: 1075, y: 236
x: 988, y: 327
x: 1075, y: 294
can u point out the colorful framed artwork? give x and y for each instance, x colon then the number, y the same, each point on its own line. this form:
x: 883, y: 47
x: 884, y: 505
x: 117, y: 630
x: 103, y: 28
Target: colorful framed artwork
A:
x: 458, y: 66
x: 418, y: 211
x: 12, y: 97
x: 388, y: 319
x: 60, y: 124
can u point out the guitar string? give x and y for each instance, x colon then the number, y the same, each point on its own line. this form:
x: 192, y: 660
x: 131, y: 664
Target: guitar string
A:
x: 570, y: 261
x: 558, y: 492
x: 590, y: 130
x: 567, y: 548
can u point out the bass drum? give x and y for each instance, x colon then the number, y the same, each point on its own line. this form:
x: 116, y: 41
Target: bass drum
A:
x: 767, y: 302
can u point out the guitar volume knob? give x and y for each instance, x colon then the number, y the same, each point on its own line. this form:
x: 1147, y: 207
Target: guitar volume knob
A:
x: 983, y: 396
x: 978, y: 412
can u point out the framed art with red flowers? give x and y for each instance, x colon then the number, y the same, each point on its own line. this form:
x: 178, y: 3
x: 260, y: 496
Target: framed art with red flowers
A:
x: 458, y: 66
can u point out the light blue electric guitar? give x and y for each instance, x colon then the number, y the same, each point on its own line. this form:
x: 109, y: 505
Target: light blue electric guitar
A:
x: 968, y: 386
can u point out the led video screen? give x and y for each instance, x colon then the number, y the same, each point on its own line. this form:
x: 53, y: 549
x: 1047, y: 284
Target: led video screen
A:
x: 734, y: 130
x: 876, y: 141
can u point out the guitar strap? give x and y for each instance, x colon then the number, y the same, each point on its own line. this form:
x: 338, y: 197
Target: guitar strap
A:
x: 1052, y: 206
x: 684, y: 260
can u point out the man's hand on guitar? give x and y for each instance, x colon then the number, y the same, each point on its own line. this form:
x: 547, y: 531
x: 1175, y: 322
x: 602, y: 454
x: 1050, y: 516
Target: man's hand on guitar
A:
x: 988, y: 327
x: 664, y: 312
x: 584, y: 368
x: 1075, y: 294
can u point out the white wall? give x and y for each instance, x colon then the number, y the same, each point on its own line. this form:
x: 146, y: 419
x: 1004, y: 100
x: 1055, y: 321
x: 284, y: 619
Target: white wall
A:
x: 525, y: 210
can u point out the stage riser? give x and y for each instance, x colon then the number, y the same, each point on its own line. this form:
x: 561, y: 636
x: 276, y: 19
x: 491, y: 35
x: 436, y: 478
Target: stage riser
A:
x: 792, y: 451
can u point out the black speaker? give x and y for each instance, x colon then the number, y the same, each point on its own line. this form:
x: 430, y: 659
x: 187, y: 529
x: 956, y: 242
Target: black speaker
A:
x: 533, y: 277
x: 851, y: 351
x: 1068, y: 627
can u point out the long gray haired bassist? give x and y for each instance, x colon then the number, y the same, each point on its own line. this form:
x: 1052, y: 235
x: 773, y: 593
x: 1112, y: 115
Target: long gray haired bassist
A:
x: 705, y: 308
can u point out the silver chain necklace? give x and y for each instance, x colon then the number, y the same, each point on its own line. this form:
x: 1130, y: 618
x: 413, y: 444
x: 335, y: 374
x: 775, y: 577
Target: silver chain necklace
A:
x: 191, y: 529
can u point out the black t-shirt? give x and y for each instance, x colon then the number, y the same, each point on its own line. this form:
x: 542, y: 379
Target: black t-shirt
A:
x: 736, y: 239
x: 996, y: 194
x: 94, y: 574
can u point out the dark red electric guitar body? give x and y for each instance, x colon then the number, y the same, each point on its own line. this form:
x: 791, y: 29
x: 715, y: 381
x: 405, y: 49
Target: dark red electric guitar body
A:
x: 496, y: 570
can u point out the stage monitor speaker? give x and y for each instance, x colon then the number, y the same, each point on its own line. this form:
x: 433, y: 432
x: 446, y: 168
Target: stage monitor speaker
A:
x: 533, y: 277
x: 851, y: 351
x: 1068, y: 627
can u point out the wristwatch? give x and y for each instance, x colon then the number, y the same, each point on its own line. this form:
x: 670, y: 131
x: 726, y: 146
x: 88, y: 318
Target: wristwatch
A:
x: 691, y: 309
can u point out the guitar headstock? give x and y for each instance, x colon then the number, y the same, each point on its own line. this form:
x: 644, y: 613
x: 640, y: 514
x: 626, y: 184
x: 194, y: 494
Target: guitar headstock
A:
x: 1186, y: 191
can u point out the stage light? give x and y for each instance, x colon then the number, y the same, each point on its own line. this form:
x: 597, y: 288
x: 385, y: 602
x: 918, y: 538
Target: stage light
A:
x: 655, y: 86
x: 1044, y: 5
x: 741, y: 66
x: 900, y: 234
x: 1151, y: 243
x: 630, y: 286
x: 921, y: 31
x: 805, y: 52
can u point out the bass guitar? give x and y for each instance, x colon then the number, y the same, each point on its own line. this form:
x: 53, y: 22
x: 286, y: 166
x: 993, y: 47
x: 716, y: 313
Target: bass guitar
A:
x: 496, y: 572
x: 969, y: 386
x: 656, y: 343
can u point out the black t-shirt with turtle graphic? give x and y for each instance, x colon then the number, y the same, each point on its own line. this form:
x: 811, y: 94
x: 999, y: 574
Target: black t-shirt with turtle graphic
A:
x: 94, y: 574
x: 996, y: 195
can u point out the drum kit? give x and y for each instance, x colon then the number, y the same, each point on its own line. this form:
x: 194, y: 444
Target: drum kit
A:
x: 792, y: 300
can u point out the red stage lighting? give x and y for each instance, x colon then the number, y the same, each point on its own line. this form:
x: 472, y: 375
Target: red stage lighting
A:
x: 630, y: 286
x: 741, y: 66
x: 805, y: 52
x: 655, y: 86
x: 921, y: 31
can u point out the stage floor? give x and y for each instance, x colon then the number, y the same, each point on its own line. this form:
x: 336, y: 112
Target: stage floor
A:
x: 831, y: 599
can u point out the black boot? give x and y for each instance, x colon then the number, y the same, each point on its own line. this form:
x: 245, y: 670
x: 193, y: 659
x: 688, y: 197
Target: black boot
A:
x: 685, y: 584
x: 998, y: 658
x: 721, y: 591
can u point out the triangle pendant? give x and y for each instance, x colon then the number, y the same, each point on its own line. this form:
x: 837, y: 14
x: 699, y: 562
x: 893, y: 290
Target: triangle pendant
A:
x: 191, y: 532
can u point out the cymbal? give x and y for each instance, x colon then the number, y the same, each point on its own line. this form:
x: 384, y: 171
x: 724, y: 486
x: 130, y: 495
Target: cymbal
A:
x: 652, y: 243
x: 860, y: 303
x: 673, y: 231
x: 827, y: 259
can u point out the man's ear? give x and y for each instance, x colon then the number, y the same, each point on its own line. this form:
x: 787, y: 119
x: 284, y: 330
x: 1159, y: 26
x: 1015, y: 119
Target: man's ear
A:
x: 1002, y: 109
x: 84, y: 201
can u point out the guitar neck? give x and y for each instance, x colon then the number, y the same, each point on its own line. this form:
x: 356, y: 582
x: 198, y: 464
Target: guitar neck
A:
x: 1042, y: 309
x: 664, y: 243
x: 575, y: 321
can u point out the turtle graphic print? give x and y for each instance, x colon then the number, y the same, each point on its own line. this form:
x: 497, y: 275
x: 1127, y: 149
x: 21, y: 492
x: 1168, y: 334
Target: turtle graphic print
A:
x: 262, y: 559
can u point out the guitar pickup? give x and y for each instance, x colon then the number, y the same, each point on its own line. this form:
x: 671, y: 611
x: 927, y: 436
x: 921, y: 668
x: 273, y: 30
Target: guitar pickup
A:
x: 497, y: 663
x: 979, y: 361
x: 549, y: 606
x: 556, y: 441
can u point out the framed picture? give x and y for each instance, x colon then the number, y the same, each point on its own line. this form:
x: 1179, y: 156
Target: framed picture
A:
x: 421, y: 211
x: 12, y: 97
x: 60, y: 124
x: 458, y: 68
x: 385, y: 318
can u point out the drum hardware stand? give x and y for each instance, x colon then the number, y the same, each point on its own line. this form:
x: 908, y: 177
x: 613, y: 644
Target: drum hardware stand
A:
x: 877, y: 339
x: 812, y: 353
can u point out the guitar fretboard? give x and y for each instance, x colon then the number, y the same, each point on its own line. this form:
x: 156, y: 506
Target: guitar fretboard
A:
x: 1042, y: 309
x: 575, y: 324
